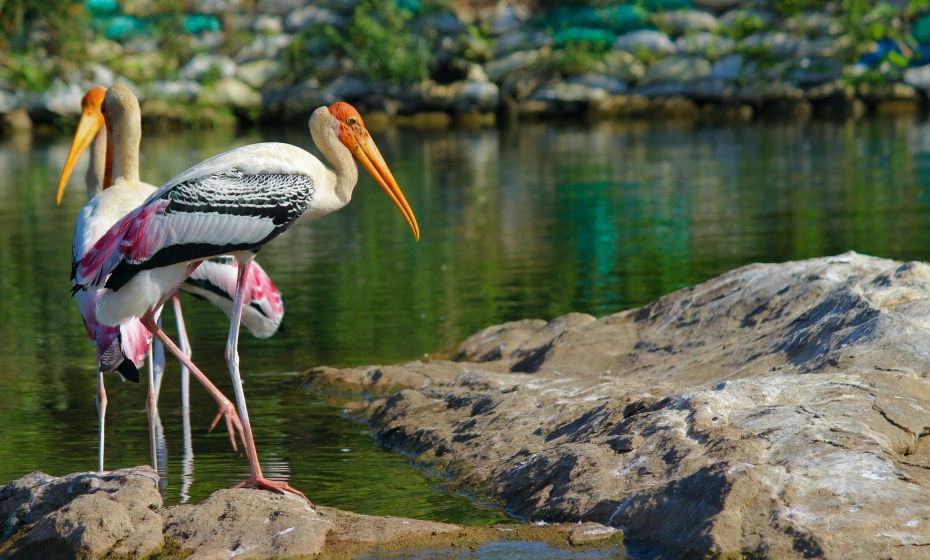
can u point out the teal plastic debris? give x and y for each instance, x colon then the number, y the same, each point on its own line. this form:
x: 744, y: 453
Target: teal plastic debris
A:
x: 625, y: 18
x: 619, y: 18
x: 666, y: 5
x: 101, y: 7
x: 568, y: 35
x: 198, y: 23
x: 920, y: 31
x: 412, y: 6
x: 121, y: 27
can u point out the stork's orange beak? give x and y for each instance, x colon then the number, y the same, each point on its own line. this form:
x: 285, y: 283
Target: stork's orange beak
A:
x: 370, y: 157
x: 88, y: 127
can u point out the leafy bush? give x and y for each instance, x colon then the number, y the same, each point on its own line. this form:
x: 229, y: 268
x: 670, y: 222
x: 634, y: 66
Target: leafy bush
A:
x: 61, y: 26
x: 745, y: 25
x: 791, y: 8
x: 28, y: 73
x: 381, y: 46
x: 578, y: 57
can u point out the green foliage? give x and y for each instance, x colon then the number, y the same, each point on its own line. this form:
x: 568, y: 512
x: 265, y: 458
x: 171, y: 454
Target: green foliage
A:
x: 61, y: 25
x: 644, y: 55
x: 212, y: 75
x: 791, y: 8
x: 745, y: 25
x: 29, y: 73
x: 377, y: 41
x: 715, y: 48
x: 867, y: 21
x: 175, y: 45
x: 474, y: 46
x: 761, y: 54
x: 578, y: 57
x: 382, y: 47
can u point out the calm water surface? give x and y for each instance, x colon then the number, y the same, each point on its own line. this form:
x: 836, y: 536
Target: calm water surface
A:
x: 523, y: 222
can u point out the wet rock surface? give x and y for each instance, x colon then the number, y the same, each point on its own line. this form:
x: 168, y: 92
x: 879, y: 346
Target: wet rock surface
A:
x: 119, y: 514
x: 777, y: 410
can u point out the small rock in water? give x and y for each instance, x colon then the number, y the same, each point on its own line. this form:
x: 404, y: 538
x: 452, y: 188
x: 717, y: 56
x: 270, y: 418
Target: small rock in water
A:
x: 585, y: 533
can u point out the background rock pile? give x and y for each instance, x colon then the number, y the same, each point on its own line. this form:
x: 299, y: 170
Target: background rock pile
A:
x: 277, y: 59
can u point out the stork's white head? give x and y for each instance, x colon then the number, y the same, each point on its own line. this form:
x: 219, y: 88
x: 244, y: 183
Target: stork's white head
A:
x: 346, y: 126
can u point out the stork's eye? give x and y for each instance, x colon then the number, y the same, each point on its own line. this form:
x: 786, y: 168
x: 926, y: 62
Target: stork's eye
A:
x: 352, y: 121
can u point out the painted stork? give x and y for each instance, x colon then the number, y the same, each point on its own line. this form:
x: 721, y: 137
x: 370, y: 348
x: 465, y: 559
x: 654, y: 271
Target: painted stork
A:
x: 122, y: 346
x: 233, y: 203
x: 215, y: 279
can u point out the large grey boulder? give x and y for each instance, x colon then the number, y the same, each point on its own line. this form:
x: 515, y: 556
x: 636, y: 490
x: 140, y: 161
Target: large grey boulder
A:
x: 918, y: 77
x: 519, y: 61
x: 230, y: 92
x: 678, y: 22
x: 197, y: 67
x: 81, y: 515
x: 244, y: 523
x: 676, y: 69
x: 778, y: 411
x: 706, y: 44
x: 651, y: 41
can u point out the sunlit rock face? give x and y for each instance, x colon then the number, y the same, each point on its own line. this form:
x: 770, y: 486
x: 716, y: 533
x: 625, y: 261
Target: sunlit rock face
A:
x: 779, y: 409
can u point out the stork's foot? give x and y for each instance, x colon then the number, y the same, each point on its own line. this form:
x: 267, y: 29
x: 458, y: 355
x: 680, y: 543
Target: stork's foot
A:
x: 263, y: 483
x: 233, y: 423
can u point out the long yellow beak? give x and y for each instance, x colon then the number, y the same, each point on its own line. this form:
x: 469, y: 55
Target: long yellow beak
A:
x: 90, y: 124
x: 370, y: 157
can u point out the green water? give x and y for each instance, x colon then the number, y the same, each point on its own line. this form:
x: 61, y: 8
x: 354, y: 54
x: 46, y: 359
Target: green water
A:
x: 521, y: 222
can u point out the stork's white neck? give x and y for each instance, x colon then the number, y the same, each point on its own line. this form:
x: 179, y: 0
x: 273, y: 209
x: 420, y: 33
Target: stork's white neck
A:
x: 93, y: 179
x: 324, y: 128
x: 124, y: 120
x: 125, y: 153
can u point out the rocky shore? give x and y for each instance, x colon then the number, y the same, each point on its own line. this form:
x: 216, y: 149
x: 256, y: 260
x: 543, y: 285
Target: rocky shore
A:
x: 276, y: 60
x: 777, y: 411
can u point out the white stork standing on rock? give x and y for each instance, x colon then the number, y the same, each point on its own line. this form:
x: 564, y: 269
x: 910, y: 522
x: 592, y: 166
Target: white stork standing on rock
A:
x: 233, y: 203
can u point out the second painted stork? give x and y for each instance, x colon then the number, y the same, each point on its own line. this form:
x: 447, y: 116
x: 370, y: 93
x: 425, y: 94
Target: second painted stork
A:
x: 213, y: 281
x: 123, y: 345
x: 233, y: 203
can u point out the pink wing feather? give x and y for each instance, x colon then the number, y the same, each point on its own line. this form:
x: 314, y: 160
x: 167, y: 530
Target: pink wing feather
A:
x: 135, y: 237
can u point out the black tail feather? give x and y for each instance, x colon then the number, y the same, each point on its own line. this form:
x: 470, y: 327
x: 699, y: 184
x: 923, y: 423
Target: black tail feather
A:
x: 128, y: 370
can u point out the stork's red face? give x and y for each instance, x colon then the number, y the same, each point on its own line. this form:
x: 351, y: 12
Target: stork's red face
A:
x: 354, y: 135
x: 90, y: 124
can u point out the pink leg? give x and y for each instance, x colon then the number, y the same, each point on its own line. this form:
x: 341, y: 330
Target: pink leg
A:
x: 101, y: 414
x: 256, y: 478
x: 226, y: 407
